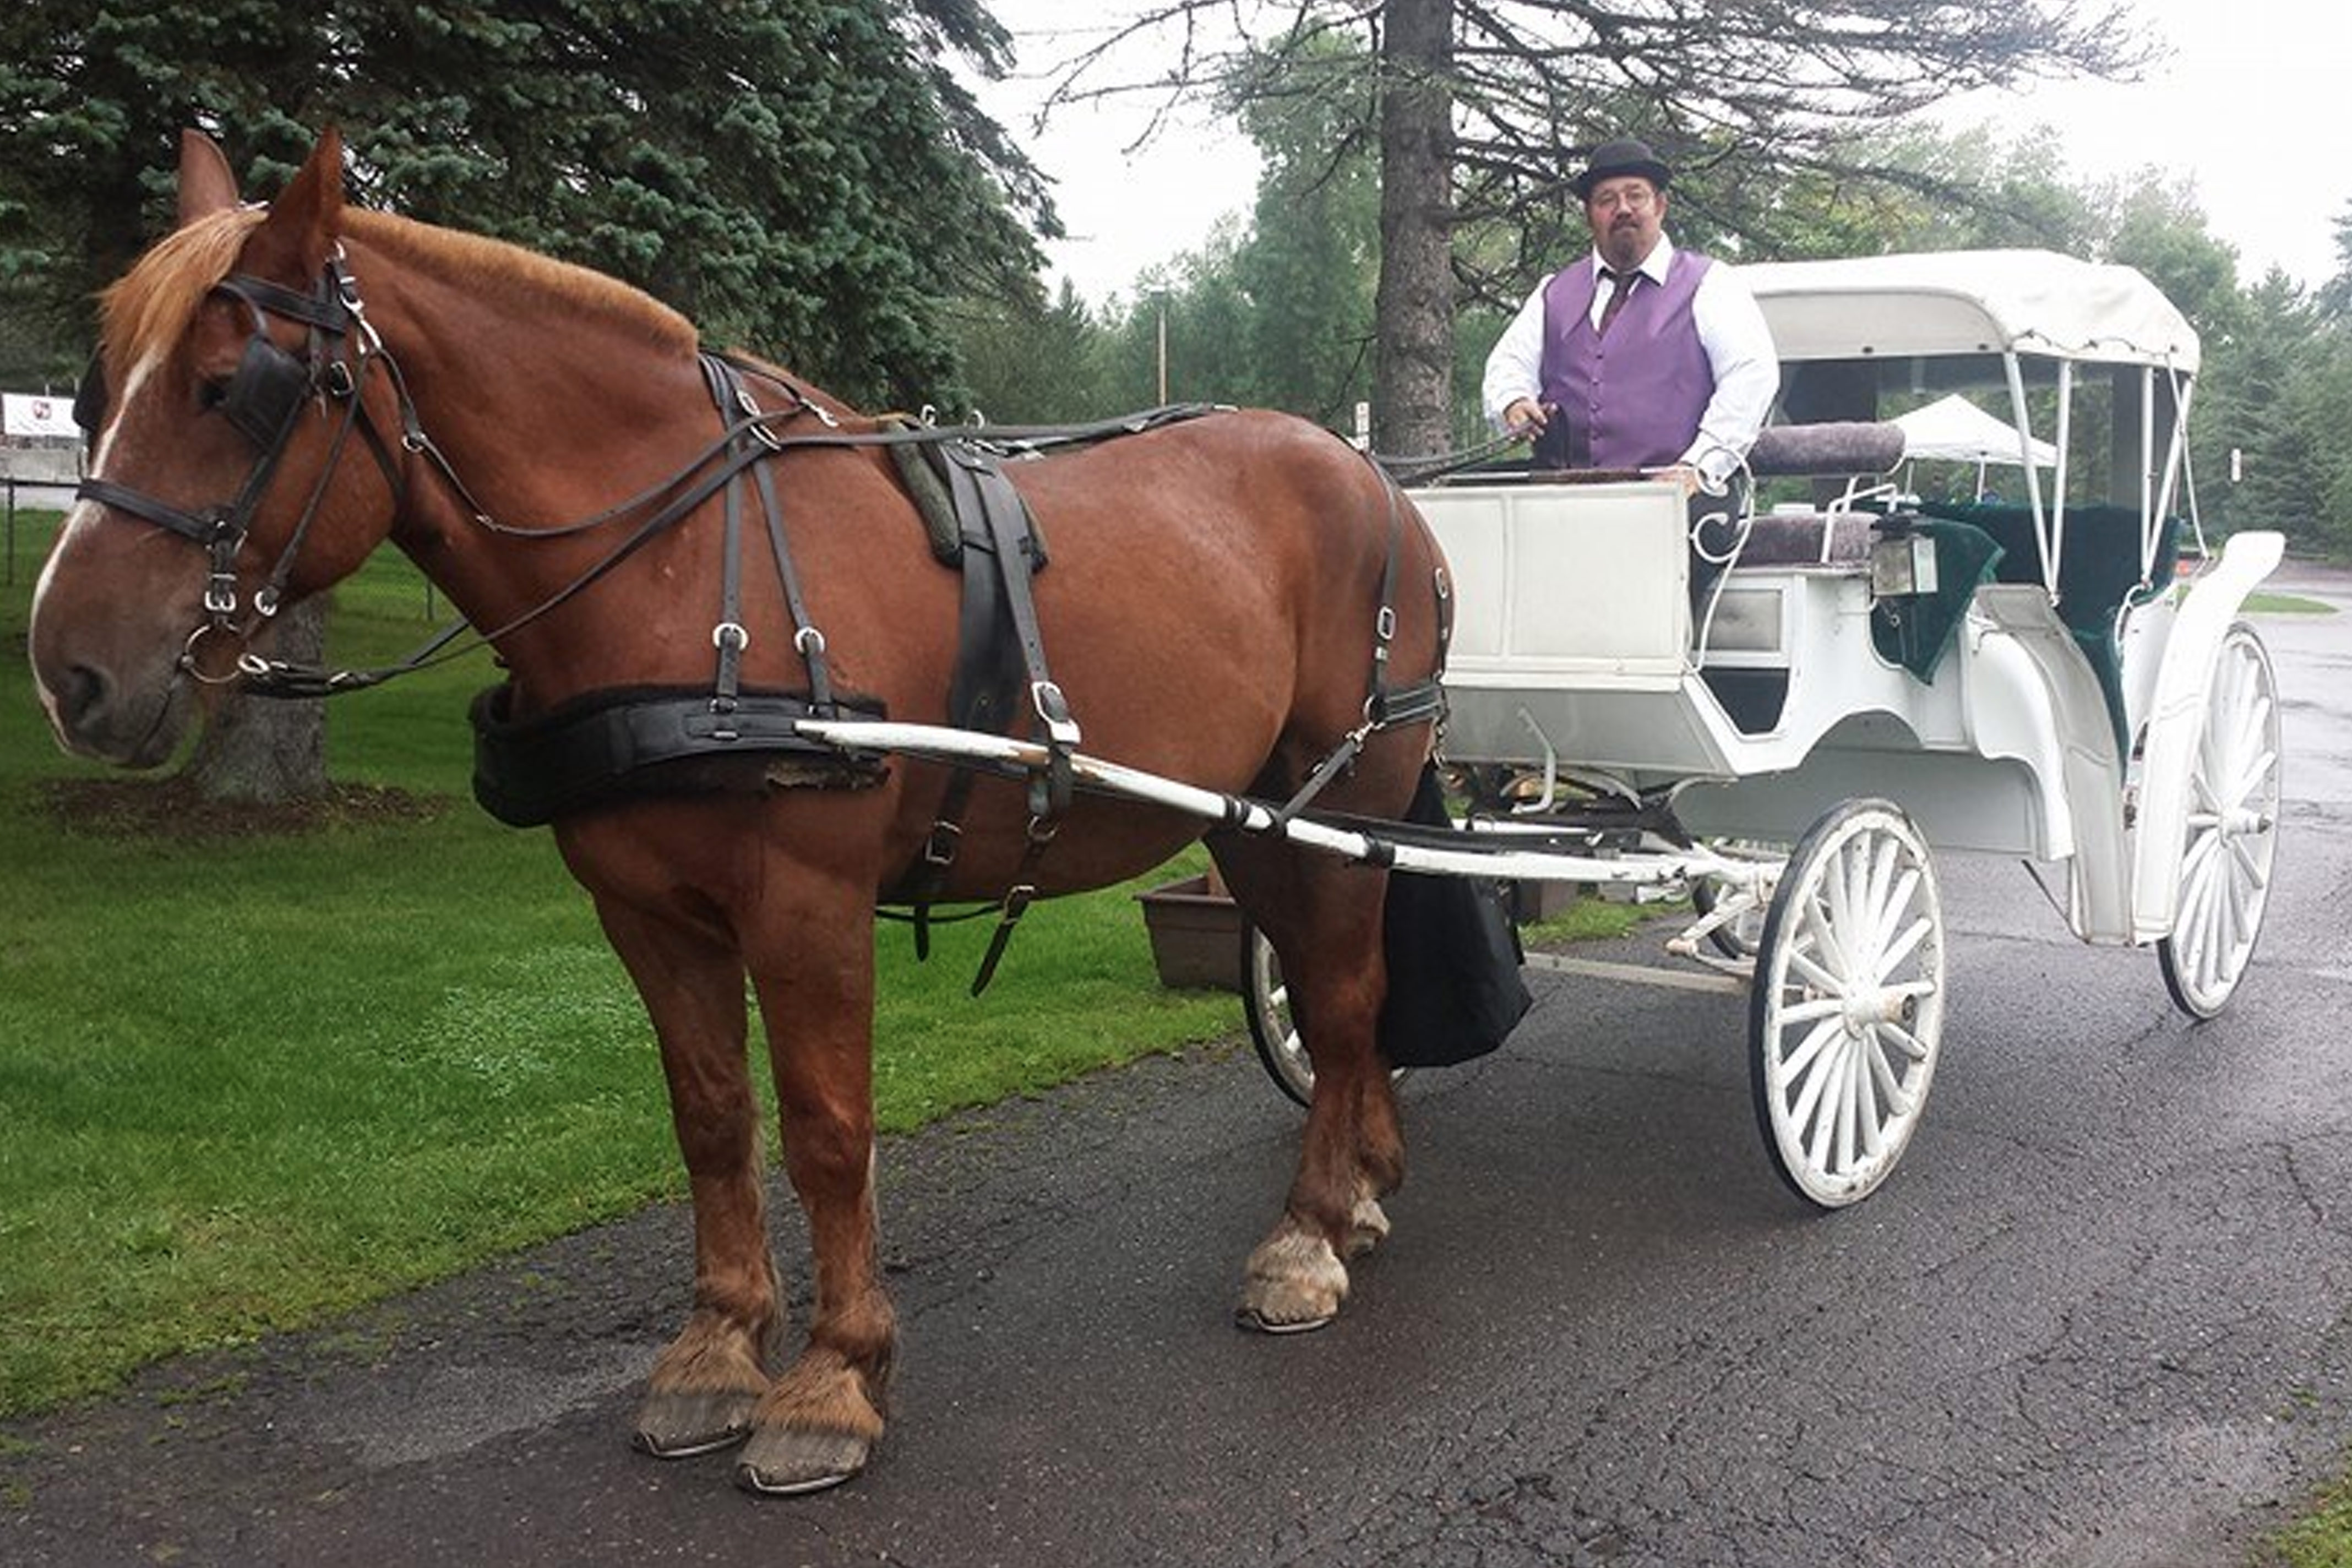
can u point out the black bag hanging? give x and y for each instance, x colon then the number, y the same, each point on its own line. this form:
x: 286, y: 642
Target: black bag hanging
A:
x: 1455, y: 991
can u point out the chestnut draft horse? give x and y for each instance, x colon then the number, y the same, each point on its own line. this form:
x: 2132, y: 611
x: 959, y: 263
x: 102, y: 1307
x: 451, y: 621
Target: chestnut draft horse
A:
x: 1212, y: 605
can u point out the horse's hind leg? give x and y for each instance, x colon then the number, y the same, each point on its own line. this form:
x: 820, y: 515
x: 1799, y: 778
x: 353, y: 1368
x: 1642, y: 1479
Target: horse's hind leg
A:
x: 1324, y: 919
x: 707, y: 1382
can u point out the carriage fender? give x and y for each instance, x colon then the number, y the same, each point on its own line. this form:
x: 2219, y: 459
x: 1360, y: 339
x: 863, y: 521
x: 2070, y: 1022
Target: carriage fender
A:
x: 2176, y: 723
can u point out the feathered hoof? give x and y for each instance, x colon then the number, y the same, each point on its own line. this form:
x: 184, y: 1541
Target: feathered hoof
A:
x: 1367, y: 1227
x: 782, y: 1461
x: 1294, y: 1285
x: 680, y: 1424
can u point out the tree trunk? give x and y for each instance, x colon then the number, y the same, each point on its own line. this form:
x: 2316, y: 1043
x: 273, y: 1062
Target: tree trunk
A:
x: 1413, y: 377
x: 267, y: 750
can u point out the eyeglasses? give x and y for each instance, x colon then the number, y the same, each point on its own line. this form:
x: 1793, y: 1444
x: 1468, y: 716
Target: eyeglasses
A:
x: 1634, y: 197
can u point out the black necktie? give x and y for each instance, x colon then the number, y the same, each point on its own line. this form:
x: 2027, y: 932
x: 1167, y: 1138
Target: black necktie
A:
x: 1620, y: 285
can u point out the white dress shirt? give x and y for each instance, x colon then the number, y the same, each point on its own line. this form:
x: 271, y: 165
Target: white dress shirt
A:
x: 1731, y: 331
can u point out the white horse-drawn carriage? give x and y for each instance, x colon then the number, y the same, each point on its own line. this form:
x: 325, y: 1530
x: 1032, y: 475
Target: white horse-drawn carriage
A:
x: 1867, y: 674
x: 1781, y: 703
x: 1847, y: 672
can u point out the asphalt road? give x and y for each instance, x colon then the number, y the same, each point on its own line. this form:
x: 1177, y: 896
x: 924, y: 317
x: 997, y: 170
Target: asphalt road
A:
x: 2098, y: 1318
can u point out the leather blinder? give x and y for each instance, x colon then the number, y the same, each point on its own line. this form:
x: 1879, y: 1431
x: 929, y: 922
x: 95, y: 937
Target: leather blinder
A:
x: 265, y: 394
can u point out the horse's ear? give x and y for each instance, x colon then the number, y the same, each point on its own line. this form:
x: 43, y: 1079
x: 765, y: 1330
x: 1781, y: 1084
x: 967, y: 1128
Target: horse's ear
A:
x: 293, y: 240
x: 206, y: 183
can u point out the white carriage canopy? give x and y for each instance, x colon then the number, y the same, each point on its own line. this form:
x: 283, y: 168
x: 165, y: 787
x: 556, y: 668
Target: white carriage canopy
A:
x: 1971, y: 302
x: 1861, y: 332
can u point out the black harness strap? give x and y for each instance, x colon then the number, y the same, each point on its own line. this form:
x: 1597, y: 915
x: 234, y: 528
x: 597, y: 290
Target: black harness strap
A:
x: 1386, y: 707
x: 1000, y: 644
x: 980, y: 697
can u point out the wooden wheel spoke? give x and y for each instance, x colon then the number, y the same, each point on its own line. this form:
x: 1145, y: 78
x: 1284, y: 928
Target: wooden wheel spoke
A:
x: 1819, y: 978
x: 1898, y: 1104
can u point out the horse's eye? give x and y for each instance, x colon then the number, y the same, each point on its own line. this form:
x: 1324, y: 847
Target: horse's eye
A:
x: 211, y: 394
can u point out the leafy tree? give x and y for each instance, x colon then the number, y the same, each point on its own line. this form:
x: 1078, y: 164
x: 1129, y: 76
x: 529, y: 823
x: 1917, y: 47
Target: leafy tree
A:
x: 1482, y: 110
x: 807, y: 177
x: 2335, y: 297
x: 1309, y: 262
x: 1029, y: 362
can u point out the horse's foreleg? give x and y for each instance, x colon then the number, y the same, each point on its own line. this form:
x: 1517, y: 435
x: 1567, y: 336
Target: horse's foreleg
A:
x: 1325, y: 924
x: 820, y: 1422
x: 706, y: 1381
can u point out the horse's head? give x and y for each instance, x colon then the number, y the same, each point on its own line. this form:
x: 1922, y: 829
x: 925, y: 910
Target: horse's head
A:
x: 236, y: 357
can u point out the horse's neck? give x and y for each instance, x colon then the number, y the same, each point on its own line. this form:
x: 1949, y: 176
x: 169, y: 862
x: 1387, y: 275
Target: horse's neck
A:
x: 546, y: 414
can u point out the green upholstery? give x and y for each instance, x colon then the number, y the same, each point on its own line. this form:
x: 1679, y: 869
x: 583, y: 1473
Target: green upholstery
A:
x: 1914, y: 631
x: 2098, y: 574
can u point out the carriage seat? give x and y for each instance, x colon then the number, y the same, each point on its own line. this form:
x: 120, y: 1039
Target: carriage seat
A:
x: 2098, y: 575
x: 1842, y: 448
x: 1799, y: 537
x: 1832, y: 535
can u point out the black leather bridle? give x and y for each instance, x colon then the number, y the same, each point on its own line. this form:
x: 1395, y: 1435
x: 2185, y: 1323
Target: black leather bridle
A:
x: 263, y: 400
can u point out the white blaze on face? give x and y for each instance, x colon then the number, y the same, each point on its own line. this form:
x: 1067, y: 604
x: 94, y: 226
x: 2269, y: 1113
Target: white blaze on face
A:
x: 83, y: 515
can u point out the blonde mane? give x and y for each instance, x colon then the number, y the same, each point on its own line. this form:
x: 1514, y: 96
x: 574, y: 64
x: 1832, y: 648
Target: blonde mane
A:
x: 495, y: 270
x: 147, y: 312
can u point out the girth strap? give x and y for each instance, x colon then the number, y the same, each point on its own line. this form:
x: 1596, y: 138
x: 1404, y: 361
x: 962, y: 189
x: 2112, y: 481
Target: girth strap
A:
x: 1001, y: 647
x: 981, y: 490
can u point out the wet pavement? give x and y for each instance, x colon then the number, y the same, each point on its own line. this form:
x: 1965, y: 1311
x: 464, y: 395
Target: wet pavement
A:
x: 2099, y: 1317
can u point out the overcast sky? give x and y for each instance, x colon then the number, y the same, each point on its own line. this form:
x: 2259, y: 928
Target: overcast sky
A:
x: 2255, y: 106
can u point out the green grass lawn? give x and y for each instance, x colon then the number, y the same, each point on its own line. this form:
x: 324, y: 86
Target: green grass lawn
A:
x: 252, y: 1080
x: 2285, y: 604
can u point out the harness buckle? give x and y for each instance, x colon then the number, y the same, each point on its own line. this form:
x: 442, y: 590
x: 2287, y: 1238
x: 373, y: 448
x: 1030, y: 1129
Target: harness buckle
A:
x: 939, y: 848
x: 1054, y: 711
x: 759, y: 416
x: 730, y: 635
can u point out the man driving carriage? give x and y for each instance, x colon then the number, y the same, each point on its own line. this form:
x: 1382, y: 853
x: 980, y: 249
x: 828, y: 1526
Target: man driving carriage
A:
x: 1641, y: 355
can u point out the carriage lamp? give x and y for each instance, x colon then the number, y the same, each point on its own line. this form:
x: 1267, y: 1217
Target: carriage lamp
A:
x: 1902, y: 565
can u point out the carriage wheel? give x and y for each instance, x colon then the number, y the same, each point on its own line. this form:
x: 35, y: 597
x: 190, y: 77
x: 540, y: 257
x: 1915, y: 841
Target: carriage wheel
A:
x: 1847, y: 1012
x: 1274, y: 1029
x: 2233, y: 802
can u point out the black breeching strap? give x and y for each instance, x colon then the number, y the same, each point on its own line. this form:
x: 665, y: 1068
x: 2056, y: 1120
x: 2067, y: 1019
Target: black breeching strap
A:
x: 1386, y: 706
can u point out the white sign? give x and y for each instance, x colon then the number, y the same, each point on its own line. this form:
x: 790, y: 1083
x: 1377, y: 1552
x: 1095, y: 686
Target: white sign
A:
x: 21, y: 415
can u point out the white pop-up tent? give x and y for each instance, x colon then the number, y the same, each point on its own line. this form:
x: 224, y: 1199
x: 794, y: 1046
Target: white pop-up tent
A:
x: 1957, y: 430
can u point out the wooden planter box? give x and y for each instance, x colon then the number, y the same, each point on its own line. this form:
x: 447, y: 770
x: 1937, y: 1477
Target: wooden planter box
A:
x: 1196, y: 934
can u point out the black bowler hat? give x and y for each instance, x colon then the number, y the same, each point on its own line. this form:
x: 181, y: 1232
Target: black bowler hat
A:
x: 1624, y: 156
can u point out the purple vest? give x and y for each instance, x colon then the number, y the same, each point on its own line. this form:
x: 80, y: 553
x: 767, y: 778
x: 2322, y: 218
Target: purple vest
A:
x: 1633, y: 399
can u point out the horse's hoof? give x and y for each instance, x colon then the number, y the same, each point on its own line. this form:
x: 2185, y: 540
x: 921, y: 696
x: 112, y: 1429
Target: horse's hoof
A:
x: 786, y: 1462
x: 1295, y: 1283
x: 680, y: 1426
x: 1256, y: 1321
x: 1367, y: 1227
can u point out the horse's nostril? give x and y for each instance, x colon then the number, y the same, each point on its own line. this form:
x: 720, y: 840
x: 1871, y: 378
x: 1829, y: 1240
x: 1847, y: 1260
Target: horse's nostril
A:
x: 82, y: 693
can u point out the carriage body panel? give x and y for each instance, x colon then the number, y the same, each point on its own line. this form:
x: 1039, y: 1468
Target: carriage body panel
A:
x: 1975, y: 754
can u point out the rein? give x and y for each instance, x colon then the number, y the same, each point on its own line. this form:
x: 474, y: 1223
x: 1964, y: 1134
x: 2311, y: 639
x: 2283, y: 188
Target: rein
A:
x: 263, y: 398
